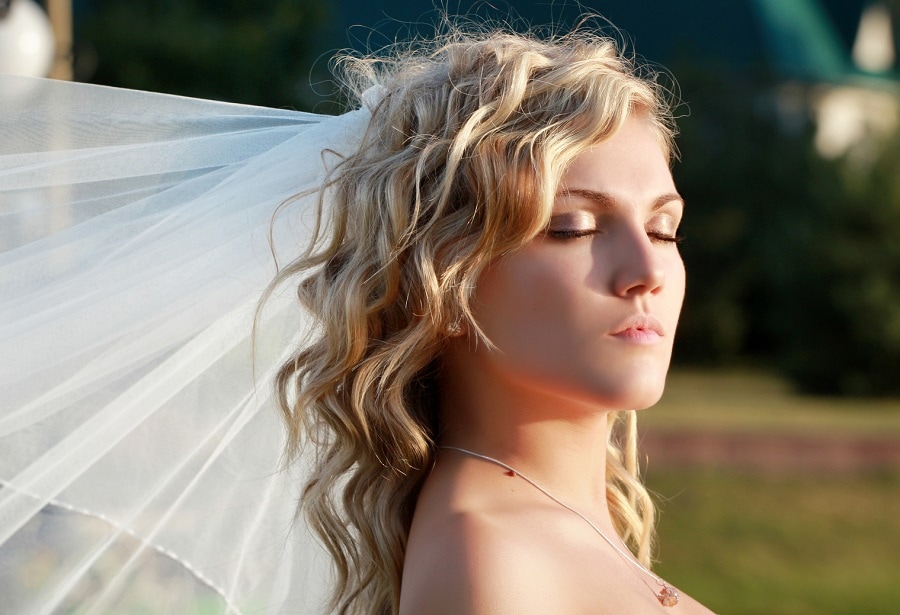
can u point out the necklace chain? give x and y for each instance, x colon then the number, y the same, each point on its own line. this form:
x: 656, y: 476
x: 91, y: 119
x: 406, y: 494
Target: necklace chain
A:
x: 667, y: 596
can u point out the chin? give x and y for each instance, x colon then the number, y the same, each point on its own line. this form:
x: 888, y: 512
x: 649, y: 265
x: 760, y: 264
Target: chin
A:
x: 633, y: 392
x: 633, y: 401
x: 646, y: 401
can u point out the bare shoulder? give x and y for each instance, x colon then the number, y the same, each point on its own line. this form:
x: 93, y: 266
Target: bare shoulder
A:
x: 477, y: 564
x: 481, y: 544
x: 470, y: 563
x: 474, y: 547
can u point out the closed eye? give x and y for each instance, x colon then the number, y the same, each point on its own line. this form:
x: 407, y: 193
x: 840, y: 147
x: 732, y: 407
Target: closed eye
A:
x: 569, y: 233
x: 563, y: 234
x: 665, y: 237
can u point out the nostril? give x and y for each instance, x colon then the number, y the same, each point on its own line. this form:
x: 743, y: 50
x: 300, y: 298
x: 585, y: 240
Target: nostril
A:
x: 639, y: 275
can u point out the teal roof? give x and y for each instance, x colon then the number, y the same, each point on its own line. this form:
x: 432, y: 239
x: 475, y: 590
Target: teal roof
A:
x: 801, y: 41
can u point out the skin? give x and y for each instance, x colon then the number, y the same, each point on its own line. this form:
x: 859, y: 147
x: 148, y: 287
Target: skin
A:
x: 483, y: 542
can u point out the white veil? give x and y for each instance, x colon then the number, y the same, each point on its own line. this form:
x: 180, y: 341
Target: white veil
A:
x: 140, y: 450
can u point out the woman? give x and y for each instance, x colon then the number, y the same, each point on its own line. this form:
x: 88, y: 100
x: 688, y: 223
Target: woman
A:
x: 497, y: 292
x: 494, y: 287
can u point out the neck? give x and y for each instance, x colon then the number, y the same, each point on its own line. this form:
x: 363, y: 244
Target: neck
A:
x: 560, y: 443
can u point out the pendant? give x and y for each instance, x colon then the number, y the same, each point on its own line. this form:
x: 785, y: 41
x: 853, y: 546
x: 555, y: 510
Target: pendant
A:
x: 668, y: 596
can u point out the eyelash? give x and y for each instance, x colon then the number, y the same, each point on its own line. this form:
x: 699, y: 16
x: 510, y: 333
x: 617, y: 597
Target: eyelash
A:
x: 567, y: 233
x: 676, y: 238
x: 564, y: 234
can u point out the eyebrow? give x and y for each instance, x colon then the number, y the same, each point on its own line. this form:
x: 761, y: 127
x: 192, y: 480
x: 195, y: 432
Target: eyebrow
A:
x: 605, y: 200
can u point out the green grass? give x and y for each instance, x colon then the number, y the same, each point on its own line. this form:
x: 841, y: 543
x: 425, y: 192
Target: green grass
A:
x: 747, y: 544
x: 744, y: 400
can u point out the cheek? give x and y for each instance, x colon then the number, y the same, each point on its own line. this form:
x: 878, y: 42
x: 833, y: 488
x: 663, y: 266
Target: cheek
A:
x: 506, y: 299
x: 526, y: 306
x: 676, y: 280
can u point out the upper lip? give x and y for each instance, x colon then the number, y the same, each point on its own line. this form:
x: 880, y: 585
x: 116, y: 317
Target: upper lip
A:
x: 640, y: 322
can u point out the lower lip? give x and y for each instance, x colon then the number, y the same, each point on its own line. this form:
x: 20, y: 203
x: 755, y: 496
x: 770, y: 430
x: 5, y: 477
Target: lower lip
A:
x: 638, y: 336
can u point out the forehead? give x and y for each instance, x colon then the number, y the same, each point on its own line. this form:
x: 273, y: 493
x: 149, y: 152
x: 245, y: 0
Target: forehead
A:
x: 630, y: 166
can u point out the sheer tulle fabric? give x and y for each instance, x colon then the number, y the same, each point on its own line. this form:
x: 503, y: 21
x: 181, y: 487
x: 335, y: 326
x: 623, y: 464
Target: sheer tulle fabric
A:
x: 140, y: 451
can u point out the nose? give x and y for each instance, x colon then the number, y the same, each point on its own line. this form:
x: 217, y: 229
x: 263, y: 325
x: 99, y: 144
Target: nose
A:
x: 638, y: 267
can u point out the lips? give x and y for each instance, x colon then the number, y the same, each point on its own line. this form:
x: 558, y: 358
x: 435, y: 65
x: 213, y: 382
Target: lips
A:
x: 640, y: 328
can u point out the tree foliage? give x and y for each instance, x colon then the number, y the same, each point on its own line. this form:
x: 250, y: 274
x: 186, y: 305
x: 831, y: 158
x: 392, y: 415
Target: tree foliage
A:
x: 842, y: 302
x: 261, y: 52
x: 793, y: 260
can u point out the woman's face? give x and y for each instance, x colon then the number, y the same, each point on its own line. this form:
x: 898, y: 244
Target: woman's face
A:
x: 587, y: 310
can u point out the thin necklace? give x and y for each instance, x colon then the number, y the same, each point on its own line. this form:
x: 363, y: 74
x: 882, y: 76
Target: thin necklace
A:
x: 667, y: 596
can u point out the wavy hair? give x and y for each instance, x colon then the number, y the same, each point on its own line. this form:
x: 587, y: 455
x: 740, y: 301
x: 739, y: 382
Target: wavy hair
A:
x: 460, y: 162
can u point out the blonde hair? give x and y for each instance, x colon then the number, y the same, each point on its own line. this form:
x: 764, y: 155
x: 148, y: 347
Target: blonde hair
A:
x: 459, y: 166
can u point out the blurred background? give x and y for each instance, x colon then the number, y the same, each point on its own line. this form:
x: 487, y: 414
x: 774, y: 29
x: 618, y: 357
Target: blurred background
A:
x: 776, y: 450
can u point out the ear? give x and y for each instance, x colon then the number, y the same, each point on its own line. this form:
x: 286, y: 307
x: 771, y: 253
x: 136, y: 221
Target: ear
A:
x: 456, y: 328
